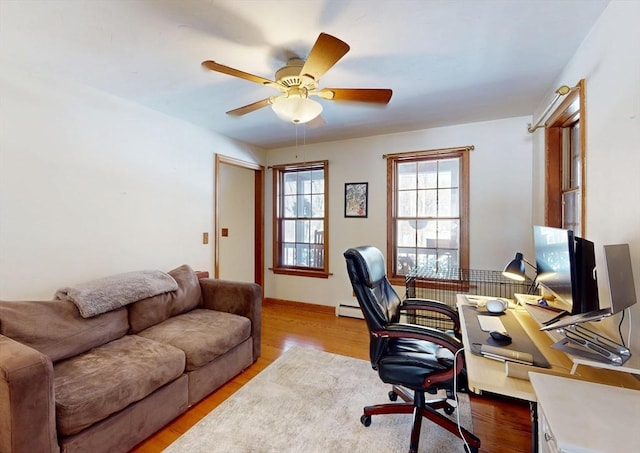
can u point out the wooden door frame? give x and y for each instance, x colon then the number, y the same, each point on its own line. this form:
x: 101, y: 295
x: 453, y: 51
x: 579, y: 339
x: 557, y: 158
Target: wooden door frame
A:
x: 258, y: 171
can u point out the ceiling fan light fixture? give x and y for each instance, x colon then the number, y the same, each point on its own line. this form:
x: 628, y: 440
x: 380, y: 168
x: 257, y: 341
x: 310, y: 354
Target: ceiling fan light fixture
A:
x: 296, y: 109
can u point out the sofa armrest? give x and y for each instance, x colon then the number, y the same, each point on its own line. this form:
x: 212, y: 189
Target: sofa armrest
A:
x: 27, y: 401
x: 239, y: 298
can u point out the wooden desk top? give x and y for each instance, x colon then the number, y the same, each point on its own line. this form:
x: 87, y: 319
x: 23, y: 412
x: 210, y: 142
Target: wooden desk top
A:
x: 486, y: 375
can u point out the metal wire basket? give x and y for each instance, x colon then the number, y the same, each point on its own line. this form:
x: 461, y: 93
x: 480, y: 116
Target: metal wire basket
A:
x: 443, y: 286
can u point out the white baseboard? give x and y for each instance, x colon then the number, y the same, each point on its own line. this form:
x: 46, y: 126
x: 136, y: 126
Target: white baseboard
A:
x: 349, y: 311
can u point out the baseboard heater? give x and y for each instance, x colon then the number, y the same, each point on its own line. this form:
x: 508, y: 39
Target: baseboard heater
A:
x: 350, y: 311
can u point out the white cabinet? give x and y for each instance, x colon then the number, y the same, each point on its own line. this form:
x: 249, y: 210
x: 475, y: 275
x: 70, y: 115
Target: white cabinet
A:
x: 546, y: 441
x: 576, y: 416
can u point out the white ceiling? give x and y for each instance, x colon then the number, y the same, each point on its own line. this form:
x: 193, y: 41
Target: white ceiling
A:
x: 447, y: 61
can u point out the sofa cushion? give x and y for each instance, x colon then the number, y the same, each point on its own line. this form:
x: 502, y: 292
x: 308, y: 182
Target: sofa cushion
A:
x: 98, y: 383
x: 202, y: 334
x: 153, y: 310
x: 56, y: 329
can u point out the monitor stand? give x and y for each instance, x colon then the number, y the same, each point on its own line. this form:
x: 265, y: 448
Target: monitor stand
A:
x: 578, y: 340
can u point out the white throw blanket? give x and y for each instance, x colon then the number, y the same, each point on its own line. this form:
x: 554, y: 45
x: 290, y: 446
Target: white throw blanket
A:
x: 109, y: 293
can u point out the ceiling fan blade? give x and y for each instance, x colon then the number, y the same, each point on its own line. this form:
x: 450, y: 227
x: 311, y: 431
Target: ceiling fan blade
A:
x: 323, y: 55
x: 250, y: 108
x: 375, y: 95
x: 209, y: 64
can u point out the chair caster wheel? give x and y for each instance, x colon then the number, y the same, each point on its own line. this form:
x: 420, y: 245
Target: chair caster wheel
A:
x: 393, y: 396
x: 365, y: 420
x: 449, y: 410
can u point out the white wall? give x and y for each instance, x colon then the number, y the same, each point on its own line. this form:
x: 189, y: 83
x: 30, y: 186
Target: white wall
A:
x: 500, y: 213
x: 609, y: 61
x: 91, y: 185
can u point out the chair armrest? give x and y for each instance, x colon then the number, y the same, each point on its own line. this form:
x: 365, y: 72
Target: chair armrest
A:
x: 433, y: 306
x: 239, y: 298
x: 416, y: 332
x: 27, y: 400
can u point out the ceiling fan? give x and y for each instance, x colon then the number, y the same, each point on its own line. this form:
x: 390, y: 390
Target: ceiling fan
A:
x: 298, y: 80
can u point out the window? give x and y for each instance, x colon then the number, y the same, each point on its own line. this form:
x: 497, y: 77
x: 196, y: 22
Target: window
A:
x: 300, y: 219
x: 427, y: 211
x: 565, y: 164
x: 571, y: 178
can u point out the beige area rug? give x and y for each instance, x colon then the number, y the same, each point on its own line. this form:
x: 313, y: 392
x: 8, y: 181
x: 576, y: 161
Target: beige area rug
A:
x: 311, y: 401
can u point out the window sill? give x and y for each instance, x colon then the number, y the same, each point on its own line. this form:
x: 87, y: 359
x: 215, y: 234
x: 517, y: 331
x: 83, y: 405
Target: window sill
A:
x: 301, y: 272
x: 397, y: 281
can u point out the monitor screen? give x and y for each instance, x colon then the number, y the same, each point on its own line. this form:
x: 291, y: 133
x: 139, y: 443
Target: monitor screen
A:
x: 621, y: 286
x: 555, y: 262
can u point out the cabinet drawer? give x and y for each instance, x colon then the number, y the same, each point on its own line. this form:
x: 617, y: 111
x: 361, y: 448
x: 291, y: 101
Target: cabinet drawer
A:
x: 546, y: 441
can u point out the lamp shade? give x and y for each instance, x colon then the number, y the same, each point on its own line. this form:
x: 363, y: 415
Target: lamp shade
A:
x: 296, y: 109
x: 515, y: 269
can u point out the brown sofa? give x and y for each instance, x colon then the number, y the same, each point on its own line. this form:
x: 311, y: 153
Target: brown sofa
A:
x: 105, y: 383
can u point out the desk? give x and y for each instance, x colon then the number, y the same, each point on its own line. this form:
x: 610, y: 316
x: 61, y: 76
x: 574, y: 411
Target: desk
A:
x: 486, y: 375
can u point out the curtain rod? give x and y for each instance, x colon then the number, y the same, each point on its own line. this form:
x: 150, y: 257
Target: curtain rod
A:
x: 562, y: 91
x: 432, y: 151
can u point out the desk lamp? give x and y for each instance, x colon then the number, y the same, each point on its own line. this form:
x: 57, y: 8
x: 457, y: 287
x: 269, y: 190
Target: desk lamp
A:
x: 515, y: 270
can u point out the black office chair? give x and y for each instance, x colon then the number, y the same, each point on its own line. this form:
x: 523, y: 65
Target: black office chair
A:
x: 408, y: 356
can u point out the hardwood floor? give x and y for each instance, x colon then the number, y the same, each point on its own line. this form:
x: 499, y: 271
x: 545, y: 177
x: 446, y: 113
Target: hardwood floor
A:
x: 502, y: 425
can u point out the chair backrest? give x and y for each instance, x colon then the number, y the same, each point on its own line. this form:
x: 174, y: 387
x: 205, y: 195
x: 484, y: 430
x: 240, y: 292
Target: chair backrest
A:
x: 377, y: 298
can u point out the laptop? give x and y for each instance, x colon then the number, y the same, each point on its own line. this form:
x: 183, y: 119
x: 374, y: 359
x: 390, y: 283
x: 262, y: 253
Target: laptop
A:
x: 621, y: 288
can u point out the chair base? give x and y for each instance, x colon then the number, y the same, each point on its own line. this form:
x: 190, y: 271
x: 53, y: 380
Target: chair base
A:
x: 420, y: 408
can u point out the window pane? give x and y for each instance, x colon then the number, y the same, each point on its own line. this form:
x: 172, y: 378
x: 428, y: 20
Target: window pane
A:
x: 407, y: 203
x: 448, y: 203
x: 406, y: 259
x: 288, y: 254
x: 304, y: 205
x: 572, y: 205
x: 317, y: 185
x: 447, y: 260
x: 575, y: 156
x: 289, y: 230
x: 427, y: 203
x: 448, y: 234
x: 302, y: 231
x: 290, y: 183
x: 317, y: 233
x: 289, y: 206
x: 427, y: 258
x: 406, y: 233
x: 448, y: 173
x: 428, y: 174
x: 407, y: 175
x: 302, y: 255
x: 317, y: 206
x: 304, y: 182
x: 427, y: 235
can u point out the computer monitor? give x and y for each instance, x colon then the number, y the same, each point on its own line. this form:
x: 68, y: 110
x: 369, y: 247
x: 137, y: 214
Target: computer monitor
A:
x: 621, y: 286
x: 555, y: 263
x: 585, y: 291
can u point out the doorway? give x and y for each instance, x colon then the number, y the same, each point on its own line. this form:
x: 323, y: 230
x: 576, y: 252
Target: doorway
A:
x: 238, y: 248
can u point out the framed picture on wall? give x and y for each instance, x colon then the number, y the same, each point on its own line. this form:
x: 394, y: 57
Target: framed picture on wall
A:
x: 356, y: 199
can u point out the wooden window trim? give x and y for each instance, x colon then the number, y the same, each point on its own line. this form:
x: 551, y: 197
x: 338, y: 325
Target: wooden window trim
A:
x: 392, y: 161
x: 571, y: 109
x: 296, y: 270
